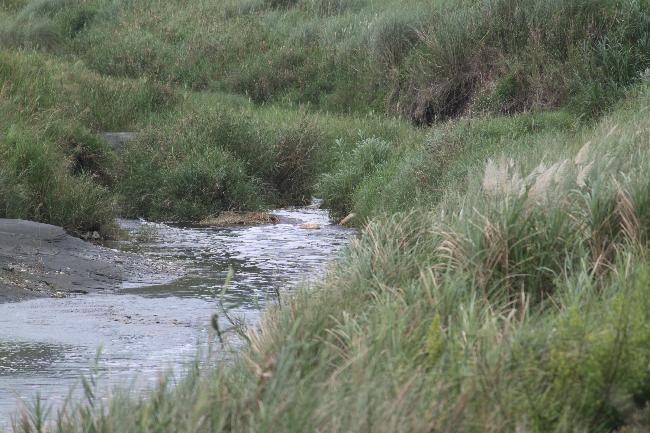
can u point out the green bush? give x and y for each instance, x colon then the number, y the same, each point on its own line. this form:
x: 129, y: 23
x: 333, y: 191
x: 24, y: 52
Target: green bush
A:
x: 186, y: 169
x: 86, y: 153
x: 35, y: 184
x: 394, y: 35
x: 336, y: 188
x: 298, y: 152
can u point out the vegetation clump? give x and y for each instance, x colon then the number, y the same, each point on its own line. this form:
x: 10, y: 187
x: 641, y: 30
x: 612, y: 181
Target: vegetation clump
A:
x: 97, y: 66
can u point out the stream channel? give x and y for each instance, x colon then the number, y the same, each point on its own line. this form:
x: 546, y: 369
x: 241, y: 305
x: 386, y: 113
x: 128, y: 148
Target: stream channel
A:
x: 145, y: 330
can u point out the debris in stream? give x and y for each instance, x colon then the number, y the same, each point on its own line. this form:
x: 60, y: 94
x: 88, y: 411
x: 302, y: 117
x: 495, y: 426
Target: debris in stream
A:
x: 347, y: 219
x: 230, y: 218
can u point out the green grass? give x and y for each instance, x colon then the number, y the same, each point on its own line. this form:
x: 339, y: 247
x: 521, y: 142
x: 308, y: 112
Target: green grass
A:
x: 197, y: 154
x: 520, y: 303
x: 423, y: 60
x: 379, y: 178
x: 36, y: 184
x: 55, y: 169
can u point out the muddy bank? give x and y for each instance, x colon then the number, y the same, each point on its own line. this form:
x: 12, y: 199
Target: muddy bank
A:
x: 41, y: 260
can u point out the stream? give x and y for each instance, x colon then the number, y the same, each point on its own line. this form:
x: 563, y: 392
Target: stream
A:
x: 145, y: 330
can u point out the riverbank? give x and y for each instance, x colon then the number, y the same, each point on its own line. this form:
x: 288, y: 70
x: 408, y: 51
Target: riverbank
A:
x: 42, y: 260
x: 272, y: 102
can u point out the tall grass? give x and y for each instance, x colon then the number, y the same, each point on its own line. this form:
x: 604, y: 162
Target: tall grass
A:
x: 520, y: 304
x: 37, y: 184
x: 380, y: 177
x: 197, y: 154
x: 206, y: 157
x: 73, y: 68
x: 54, y: 167
x: 424, y: 60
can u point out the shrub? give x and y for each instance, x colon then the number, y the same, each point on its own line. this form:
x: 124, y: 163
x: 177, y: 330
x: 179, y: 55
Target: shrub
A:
x: 298, y: 151
x: 469, y: 46
x: 182, y: 171
x: 336, y: 188
x: 393, y: 36
x: 86, y: 153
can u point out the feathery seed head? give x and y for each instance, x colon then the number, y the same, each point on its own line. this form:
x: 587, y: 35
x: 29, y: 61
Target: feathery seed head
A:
x: 584, y: 174
x: 583, y: 154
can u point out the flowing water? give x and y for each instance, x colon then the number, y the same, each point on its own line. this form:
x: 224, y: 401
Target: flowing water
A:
x: 144, y: 329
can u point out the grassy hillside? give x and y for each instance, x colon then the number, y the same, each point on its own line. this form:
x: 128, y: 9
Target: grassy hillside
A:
x: 426, y: 60
x: 495, y: 151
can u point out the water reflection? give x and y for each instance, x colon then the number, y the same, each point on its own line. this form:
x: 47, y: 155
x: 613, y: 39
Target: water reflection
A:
x: 27, y: 358
x: 263, y: 258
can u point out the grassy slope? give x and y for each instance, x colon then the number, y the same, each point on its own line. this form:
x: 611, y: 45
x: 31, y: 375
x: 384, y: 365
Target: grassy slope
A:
x: 518, y: 305
x: 505, y: 296
x: 423, y: 59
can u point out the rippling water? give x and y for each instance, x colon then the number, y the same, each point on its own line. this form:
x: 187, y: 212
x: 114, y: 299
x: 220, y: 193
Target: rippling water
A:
x: 146, y: 329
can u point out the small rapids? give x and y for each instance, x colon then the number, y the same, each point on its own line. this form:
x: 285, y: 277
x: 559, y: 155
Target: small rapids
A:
x: 147, y: 328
